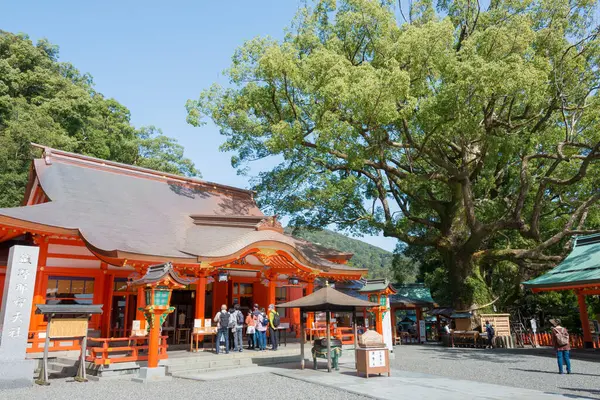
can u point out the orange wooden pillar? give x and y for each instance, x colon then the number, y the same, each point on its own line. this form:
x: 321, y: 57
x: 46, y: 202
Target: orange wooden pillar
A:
x: 109, y: 283
x: 200, y: 297
x: 140, y: 303
x: 585, y: 322
x: 310, y: 317
x: 200, y: 300
x: 153, y: 340
x: 272, y: 277
x: 41, y: 284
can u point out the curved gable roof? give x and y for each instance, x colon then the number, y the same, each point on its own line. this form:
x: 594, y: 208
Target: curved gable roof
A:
x: 117, y: 208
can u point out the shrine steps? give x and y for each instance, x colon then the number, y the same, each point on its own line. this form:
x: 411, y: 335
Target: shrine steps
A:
x: 199, y: 365
x: 193, y: 364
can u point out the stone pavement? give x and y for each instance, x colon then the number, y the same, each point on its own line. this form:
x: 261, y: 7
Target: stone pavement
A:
x: 417, y: 385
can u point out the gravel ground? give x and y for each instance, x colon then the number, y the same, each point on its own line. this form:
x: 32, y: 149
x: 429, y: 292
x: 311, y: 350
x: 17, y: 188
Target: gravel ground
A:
x: 273, y: 386
x: 526, y: 368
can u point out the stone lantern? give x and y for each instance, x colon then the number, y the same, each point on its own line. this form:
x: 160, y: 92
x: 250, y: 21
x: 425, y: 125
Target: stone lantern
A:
x: 158, y: 284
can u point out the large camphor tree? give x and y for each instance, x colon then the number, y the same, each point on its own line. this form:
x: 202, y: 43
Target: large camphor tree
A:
x: 45, y: 101
x: 468, y: 130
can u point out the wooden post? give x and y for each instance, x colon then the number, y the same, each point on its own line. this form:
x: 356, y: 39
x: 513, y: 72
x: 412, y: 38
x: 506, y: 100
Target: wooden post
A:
x: 310, y: 288
x: 419, y: 316
x: 200, y: 300
x: 355, y: 335
x: 39, y: 294
x: 302, y: 320
x: 153, y: 339
x: 140, y: 303
x: 585, y: 322
x: 328, y: 320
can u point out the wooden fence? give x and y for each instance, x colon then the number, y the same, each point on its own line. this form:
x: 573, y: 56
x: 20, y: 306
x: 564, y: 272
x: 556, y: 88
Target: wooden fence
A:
x: 545, y: 339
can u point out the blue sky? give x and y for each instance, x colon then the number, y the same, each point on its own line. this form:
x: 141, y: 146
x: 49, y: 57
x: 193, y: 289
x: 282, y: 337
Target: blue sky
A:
x: 152, y: 56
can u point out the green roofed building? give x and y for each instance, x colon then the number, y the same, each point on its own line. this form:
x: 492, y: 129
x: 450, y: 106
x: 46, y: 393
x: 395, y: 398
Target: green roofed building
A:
x: 579, y: 271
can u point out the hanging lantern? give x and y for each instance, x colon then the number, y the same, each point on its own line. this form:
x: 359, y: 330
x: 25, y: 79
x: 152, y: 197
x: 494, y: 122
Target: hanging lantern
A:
x: 222, y: 276
x: 292, y: 280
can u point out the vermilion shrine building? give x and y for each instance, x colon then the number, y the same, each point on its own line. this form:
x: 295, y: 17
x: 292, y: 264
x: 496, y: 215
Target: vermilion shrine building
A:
x: 99, y: 224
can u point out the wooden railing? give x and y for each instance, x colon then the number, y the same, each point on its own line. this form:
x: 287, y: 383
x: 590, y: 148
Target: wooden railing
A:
x: 545, y: 339
x: 345, y: 335
x: 126, y: 349
x: 35, y: 344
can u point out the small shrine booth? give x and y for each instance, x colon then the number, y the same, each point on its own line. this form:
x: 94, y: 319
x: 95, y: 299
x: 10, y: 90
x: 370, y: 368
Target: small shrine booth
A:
x: 100, y: 224
x: 415, y: 297
x: 580, y: 272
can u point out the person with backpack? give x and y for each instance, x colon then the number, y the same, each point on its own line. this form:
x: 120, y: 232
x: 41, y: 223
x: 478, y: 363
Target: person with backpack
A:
x: 490, y: 334
x: 560, y: 337
x: 274, y: 322
x: 261, y: 329
x: 223, y: 322
x: 238, y: 317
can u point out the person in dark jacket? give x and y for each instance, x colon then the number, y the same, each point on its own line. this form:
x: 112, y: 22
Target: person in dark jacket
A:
x: 490, y: 334
x: 560, y: 337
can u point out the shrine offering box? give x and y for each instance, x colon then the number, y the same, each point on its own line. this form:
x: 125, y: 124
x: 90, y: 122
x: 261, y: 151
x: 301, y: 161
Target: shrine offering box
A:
x: 372, y: 360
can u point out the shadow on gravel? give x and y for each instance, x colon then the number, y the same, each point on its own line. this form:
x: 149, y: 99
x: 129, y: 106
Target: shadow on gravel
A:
x: 552, y: 372
x: 504, y: 355
x: 589, y: 391
x: 456, y: 353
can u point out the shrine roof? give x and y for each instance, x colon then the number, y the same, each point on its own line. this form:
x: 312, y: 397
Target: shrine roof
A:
x: 377, y: 285
x: 581, y: 267
x: 415, y: 293
x: 119, y: 209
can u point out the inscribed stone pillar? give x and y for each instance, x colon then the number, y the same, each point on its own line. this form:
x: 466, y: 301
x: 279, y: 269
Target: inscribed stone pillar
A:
x: 21, y: 269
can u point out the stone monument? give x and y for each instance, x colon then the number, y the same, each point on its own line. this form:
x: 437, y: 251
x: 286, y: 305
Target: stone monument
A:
x: 15, y: 370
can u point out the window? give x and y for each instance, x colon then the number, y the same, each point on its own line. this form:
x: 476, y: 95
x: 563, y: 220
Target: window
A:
x: 68, y: 290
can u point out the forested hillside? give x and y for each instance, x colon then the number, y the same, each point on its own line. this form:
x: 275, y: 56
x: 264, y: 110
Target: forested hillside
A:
x: 46, y: 101
x: 373, y: 258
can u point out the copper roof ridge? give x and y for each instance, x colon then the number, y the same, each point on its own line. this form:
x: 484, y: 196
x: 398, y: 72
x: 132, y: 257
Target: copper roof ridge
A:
x: 49, y: 151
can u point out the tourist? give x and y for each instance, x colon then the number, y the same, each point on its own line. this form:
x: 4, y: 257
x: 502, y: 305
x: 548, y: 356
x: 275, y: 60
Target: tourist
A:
x: 560, y: 337
x: 238, y: 317
x: 222, y: 320
x: 250, y: 330
x: 261, y: 329
x: 255, y: 314
x: 273, y: 324
x: 231, y: 328
x: 490, y: 334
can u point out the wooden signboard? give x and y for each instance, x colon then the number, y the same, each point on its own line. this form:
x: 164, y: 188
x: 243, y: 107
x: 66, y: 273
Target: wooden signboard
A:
x: 500, y: 322
x: 68, y: 328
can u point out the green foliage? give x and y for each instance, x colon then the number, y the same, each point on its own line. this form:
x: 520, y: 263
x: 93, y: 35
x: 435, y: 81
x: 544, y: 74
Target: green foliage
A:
x: 473, y: 132
x: 376, y: 260
x: 51, y: 103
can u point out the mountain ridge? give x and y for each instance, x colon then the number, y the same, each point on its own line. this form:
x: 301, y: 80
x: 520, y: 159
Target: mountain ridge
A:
x: 377, y: 260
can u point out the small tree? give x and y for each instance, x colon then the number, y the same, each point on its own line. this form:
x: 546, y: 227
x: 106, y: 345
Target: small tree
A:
x: 473, y: 132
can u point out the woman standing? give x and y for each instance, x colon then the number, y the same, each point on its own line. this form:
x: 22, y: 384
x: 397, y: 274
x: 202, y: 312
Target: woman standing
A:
x: 251, y: 326
x: 261, y: 328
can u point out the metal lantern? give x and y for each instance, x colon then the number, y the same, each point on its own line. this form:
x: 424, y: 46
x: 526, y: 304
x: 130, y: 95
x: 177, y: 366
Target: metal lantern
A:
x: 158, y: 296
x: 222, y: 276
x: 293, y: 280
